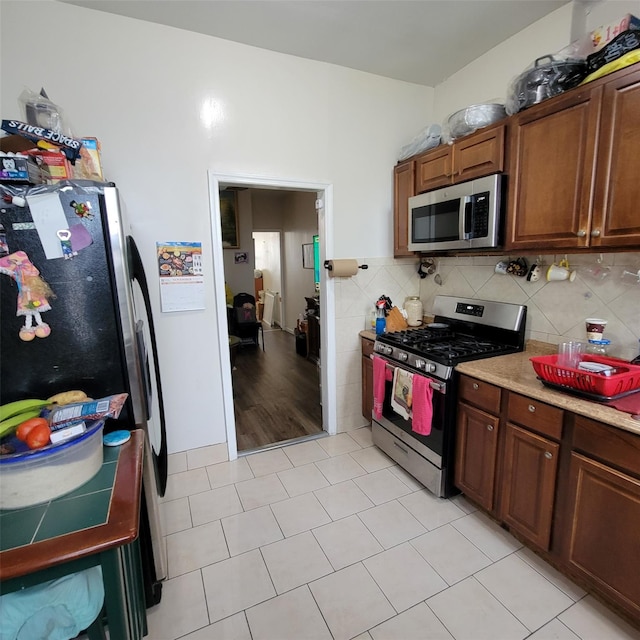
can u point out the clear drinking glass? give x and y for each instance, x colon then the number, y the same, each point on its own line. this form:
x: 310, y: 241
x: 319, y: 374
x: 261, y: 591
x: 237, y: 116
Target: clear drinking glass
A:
x: 570, y: 354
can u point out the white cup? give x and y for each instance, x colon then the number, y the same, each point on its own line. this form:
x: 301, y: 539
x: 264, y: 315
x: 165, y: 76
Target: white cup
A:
x: 556, y: 273
x: 570, y: 354
x: 595, y: 328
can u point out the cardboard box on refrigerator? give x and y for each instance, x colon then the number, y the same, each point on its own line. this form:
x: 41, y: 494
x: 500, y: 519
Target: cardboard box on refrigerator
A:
x: 88, y: 166
x: 607, y: 32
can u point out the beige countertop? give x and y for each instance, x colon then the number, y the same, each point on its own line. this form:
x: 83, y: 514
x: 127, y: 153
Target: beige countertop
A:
x: 515, y: 372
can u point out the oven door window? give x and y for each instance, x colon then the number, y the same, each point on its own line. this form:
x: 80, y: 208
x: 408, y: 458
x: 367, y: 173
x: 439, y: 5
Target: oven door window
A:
x: 436, y: 222
x: 435, y: 439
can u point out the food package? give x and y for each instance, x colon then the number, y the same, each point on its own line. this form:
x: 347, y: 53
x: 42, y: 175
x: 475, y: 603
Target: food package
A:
x: 88, y: 166
x: 68, y: 414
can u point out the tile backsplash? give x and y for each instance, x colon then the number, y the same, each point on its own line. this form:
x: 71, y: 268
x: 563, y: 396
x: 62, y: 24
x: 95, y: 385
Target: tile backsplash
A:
x: 556, y: 311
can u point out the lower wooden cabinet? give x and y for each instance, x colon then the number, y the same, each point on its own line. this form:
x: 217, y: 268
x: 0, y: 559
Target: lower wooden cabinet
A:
x: 476, y: 452
x: 528, y: 484
x: 604, y: 543
x: 566, y: 485
x: 367, y: 377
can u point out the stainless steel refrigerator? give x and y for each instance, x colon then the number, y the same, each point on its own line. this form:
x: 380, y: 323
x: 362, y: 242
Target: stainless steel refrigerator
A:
x: 75, y: 314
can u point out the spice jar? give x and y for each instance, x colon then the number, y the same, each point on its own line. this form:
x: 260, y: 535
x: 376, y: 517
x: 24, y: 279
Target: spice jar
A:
x: 413, y: 307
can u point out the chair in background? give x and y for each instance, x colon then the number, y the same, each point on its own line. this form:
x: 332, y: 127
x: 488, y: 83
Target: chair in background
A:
x: 245, y: 325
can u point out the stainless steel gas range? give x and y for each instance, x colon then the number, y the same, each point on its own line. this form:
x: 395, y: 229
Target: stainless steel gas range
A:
x: 463, y: 329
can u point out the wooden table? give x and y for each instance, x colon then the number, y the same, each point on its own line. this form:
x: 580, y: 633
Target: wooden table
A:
x: 97, y: 524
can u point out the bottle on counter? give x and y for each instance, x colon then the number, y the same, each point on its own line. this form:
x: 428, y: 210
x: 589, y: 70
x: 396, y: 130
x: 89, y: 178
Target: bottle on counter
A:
x: 381, y: 320
x: 598, y: 347
x: 413, y: 307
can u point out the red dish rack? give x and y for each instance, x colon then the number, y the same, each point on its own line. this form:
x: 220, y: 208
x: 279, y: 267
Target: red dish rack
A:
x: 624, y: 381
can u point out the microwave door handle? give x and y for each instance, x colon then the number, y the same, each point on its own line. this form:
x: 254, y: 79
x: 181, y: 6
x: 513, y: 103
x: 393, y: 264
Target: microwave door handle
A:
x: 466, y: 222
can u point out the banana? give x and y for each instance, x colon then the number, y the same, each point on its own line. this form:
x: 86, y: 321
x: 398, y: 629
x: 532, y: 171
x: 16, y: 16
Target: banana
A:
x: 10, y: 424
x: 68, y: 397
x: 20, y: 406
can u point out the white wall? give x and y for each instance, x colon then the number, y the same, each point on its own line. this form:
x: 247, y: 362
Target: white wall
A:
x: 487, y: 79
x: 169, y: 105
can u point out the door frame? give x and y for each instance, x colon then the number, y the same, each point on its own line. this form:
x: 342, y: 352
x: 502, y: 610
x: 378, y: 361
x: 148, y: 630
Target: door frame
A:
x: 324, y: 209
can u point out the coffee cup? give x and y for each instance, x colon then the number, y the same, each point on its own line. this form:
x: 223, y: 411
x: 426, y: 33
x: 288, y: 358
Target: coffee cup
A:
x: 570, y: 354
x: 595, y: 328
x: 556, y: 273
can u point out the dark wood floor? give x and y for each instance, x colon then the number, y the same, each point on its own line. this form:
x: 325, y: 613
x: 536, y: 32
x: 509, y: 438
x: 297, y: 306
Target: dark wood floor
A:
x: 276, y: 393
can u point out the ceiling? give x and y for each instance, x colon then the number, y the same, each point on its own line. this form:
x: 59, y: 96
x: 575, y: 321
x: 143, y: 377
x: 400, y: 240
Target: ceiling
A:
x: 419, y: 41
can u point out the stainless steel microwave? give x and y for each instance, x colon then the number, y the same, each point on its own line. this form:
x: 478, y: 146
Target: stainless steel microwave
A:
x: 462, y: 216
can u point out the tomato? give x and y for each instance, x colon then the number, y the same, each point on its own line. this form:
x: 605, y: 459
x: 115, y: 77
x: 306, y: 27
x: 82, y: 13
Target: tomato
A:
x: 39, y: 436
x: 25, y: 427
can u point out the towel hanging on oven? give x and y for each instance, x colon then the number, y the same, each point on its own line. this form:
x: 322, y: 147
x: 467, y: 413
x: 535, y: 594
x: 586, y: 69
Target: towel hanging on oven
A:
x: 402, y: 396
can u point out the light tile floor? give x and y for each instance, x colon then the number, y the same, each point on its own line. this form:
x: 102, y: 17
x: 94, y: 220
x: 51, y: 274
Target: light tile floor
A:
x: 329, y: 539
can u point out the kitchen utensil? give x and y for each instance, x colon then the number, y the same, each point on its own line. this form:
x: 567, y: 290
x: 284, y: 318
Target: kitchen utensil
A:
x: 476, y: 116
x: 570, y: 354
x: 559, y: 272
x: 548, y: 77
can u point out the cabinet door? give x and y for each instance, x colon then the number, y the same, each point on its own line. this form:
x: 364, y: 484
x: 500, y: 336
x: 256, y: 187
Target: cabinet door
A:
x: 603, y: 543
x: 434, y: 168
x: 552, y: 154
x: 528, y: 484
x: 479, y: 154
x: 404, y: 178
x: 367, y: 378
x: 476, y: 450
x: 616, y: 221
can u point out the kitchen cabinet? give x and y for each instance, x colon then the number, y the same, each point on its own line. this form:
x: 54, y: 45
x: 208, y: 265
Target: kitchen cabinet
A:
x: 572, y: 169
x: 404, y: 187
x: 530, y: 464
x: 601, y: 542
x: 367, y: 377
x: 477, y: 440
x: 566, y: 485
x: 474, y: 156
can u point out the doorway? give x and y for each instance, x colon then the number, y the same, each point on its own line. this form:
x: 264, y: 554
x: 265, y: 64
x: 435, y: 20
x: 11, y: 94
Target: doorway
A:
x: 323, y: 205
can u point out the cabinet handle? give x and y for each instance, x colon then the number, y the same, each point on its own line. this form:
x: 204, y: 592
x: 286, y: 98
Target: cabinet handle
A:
x: 476, y: 386
x: 595, y: 233
x: 395, y: 444
x: 548, y: 455
x: 581, y: 234
x: 489, y: 427
x: 532, y: 409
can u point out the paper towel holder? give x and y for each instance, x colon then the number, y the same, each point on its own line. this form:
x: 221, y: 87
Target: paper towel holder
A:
x: 329, y: 267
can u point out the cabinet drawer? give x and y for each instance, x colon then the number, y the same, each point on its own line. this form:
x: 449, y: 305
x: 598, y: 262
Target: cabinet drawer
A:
x: 535, y: 415
x: 609, y: 444
x: 480, y: 394
x: 367, y: 347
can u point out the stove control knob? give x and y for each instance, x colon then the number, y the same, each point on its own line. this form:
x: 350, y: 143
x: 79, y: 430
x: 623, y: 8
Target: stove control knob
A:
x: 403, y: 356
x: 420, y: 363
x: 430, y: 367
x: 388, y: 351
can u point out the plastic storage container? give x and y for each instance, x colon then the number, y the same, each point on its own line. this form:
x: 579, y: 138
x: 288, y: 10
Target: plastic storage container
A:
x: 34, y: 477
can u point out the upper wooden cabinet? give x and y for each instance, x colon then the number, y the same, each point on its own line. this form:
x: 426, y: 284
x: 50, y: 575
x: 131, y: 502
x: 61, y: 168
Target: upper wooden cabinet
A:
x: 403, y: 188
x: 572, y: 173
x: 474, y: 156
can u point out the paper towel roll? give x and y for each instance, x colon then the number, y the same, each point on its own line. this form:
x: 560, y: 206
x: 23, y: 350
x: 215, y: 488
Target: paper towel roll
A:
x: 342, y: 268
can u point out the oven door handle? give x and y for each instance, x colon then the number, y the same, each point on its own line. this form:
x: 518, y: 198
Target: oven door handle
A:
x: 440, y: 387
